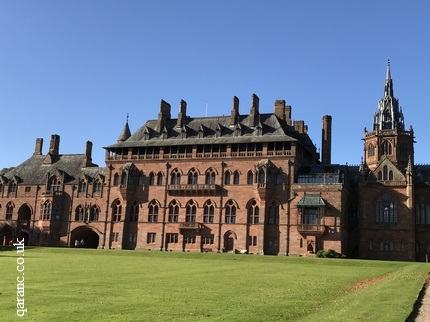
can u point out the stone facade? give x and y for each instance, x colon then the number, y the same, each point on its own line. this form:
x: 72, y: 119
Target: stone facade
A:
x: 250, y: 183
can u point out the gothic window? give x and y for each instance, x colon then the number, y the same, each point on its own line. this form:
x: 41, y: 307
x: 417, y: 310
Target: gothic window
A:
x: 94, y: 213
x: 386, y: 210
x: 46, y: 210
x: 175, y: 177
x: 116, y: 211
x: 273, y: 214
x: 159, y: 179
x: 97, y: 187
x: 153, y: 211
x: 115, y: 179
x: 230, y: 212
x: 379, y: 175
x: 279, y: 177
x: 385, y: 173
x: 210, y: 176
x: 208, y: 212
x: 141, y: 179
x: 386, y: 148
x: 370, y: 150
x: 134, y: 212
x: 151, y: 179
x: 422, y: 212
x: 54, y: 184
x: 9, y: 210
x: 82, y: 186
x: 192, y: 176
x: 253, y: 213
x: 191, y: 210
x: 250, y: 177
x: 79, y: 213
x: 236, y: 177
x: 123, y: 178
x: 311, y: 216
x: 227, y: 178
x: 174, y: 211
x: 12, y: 186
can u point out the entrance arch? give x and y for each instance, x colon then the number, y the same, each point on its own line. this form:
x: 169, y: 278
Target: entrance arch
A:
x: 229, y: 238
x: 24, y: 217
x: 84, y: 237
x: 6, y: 235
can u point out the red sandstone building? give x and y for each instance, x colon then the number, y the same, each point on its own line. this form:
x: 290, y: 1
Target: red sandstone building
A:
x: 250, y: 183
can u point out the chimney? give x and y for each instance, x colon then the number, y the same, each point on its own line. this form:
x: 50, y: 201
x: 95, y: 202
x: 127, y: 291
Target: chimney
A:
x: 288, y: 114
x: 234, y: 112
x: 38, y: 147
x: 163, y: 116
x: 54, y: 146
x: 326, y: 140
x: 88, y: 152
x: 254, y: 114
x: 280, y: 109
x: 182, y: 114
x: 300, y: 127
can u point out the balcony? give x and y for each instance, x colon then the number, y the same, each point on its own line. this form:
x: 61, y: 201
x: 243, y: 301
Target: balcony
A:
x: 314, y: 230
x: 192, y: 189
x: 190, y: 226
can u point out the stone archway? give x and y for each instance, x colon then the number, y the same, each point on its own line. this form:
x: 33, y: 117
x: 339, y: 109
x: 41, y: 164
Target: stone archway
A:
x: 84, y: 237
x: 229, y: 238
x: 6, y: 235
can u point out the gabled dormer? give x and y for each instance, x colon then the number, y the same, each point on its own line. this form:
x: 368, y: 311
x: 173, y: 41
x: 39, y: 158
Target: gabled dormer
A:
x: 386, y: 171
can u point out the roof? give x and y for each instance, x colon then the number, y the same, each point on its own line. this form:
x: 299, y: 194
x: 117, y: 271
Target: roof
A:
x: 311, y: 200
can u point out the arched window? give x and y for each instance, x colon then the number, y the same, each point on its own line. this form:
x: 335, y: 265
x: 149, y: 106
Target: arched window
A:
x: 82, y: 187
x: 97, y: 186
x: 273, y: 214
x: 9, y: 210
x: 386, y: 148
x: 386, y: 210
x: 175, y: 177
x: 230, y: 212
x: 261, y: 176
x: 174, y: 211
x: 153, y: 211
x: 123, y: 178
x: 236, y: 177
x: 159, y: 179
x: 134, y: 212
x: 94, y: 213
x: 12, y: 186
x: 210, y: 176
x: 79, y: 213
x: 191, y: 210
x: 55, y: 184
x: 115, y: 179
x: 192, y: 176
x: 141, y: 179
x: 208, y: 212
x: 370, y: 150
x: 385, y: 173
x: 253, y: 213
x: 46, y: 210
x: 250, y: 177
x: 279, y: 177
x: 422, y: 210
x: 151, y: 179
x: 116, y: 211
x: 227, y: 178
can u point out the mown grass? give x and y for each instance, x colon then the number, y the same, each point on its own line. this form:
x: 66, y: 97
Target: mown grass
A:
x: 110, y: 285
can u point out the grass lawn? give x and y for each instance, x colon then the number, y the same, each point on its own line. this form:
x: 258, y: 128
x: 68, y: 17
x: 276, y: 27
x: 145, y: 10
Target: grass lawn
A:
x: 63, y: 284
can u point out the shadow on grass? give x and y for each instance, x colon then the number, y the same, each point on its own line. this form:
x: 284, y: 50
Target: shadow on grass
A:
x: 419, y: 302
x: 9, y: 248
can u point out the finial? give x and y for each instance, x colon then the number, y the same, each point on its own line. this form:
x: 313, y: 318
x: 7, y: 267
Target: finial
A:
x: 388, y: 70
x: 127, y: 118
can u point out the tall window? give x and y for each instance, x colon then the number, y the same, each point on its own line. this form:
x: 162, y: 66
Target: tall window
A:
x: 208, y: 212
x: 175, y: 177
x: 46, y: 210
x: 116, y: 179
x: 227, y: 178
x: 386, y: 210
x: 160, y: 179
x: 422, y: 211
x: 174, y: 211
x: 94, y: 213
x: 311, y: 216
x: 12, y: 186
x: 9, y: 211
x: 192, y: 177
x: 79, y: 213
x: 151, y: 179
x: 273, y: 214
x: 191, y: 209
x: 236, y: 177
x: 134, y: 212
x: 230, y: 212
x: 82, y: 186
x: 386, y: 148
x: 250, y: 177
x: 253, y: 213
x: 153, y: 211
x: 116, y: 211
x: 371, y: 150
x: 97, y: 186
x: 54, y: 184
x: 210, y: 176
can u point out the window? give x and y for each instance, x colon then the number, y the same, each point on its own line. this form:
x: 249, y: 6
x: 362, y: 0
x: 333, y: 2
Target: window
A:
x: 150, y: 239
x: 208, y: 239
x: 56, y: 210
x: 210, y: 177
x: 173, y: 211
x: 190, y: 239
x: 79, y: 213
x: 132, y: 237
x: 279, y: 177
x: 250, y: 178
x: 141, y: 179
x: 175, y: 177
x: 115, y: 237
x: 422, y: 211
x: 97, y: 187
x: 151, y: 178
x: 94, y: 213
x: 46, y: 210
x: 230, y: 213
x: 55, y: 184
x: 386, y: 210
x: 116, y: 179
x: 171, y: 238
x: 134, y: 212
x: 12, y: 187
x: 253, y: 213
x: 9, y: 211
x: 311, y: 216
x: 27, y: 189
x: 208, y: 212
x: 252, y: 240
x: 191, y: 209
x: 371, y: 150
x: 82, y: 186
x: 227, y: 178
x: 386, y: 148
x: 273, y: 214
x: 116, y: 211
x: 192, y: 177
x: 153, y: 211
x: 159, y: 179
x: 236, y: 176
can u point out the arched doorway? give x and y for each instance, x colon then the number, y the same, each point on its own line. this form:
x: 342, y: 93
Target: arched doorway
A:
x: 24, y: 217
x: 6, y: 235
x: 229, y: 238
x: 84, y: 237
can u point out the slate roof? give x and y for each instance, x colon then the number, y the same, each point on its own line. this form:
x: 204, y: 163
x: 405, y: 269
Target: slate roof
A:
x: 311, y: 200
x: 33, y: 171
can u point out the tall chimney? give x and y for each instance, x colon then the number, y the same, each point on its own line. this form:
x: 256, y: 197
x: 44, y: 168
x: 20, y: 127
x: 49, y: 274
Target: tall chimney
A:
x: 288, y: 114
x: 234, y: 112
x: 88, y: 152
x: 253, y: 117
x: 38, y: 147
x: 326, y: 140
x: 163, y: 116
x: 182, y: 114
x: 280, y: 109
x: 54, y: 146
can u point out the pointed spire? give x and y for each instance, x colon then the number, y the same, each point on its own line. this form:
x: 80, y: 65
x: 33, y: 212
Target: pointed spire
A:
x: 125, y: 134
x: 388, y: 77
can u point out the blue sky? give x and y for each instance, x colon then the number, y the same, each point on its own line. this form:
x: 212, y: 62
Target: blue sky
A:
x: 76, y: 68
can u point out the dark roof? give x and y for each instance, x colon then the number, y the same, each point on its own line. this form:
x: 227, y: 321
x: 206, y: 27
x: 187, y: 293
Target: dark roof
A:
x: 33, y: 171
x: 311, y: 200
x: 320, y: 169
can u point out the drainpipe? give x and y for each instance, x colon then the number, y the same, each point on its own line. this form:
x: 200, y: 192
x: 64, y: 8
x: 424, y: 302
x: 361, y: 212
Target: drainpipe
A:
x: 292, y: 196
x: 163, y: 225
x: 107, y: 205
x: 70, y: 215
x: 34, y: 214
x: 223, y: 165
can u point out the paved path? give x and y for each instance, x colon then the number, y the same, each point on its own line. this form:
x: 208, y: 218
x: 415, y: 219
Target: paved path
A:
x: 422, y: 307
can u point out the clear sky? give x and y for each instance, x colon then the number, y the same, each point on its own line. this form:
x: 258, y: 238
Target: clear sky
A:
x: 76, y: 68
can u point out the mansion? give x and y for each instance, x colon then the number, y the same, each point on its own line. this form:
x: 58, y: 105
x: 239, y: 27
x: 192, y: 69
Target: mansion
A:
x: 245, y: 183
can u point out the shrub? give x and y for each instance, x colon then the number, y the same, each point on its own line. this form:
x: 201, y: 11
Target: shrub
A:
x: 329, y: 253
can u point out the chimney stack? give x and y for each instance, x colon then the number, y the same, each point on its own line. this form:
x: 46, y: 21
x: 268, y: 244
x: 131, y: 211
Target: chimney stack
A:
x: 254, y: 114
x: 182, y: 114
x: 38, y: 147
x: 280, y: 109
x: 326, y: 140
x: 234, y: 112
x: 163, y: 116
x: 54, y: 147
x: 88, y: 152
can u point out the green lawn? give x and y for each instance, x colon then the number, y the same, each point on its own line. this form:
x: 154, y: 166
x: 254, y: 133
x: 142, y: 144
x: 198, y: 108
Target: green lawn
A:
x: 63, y: 284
